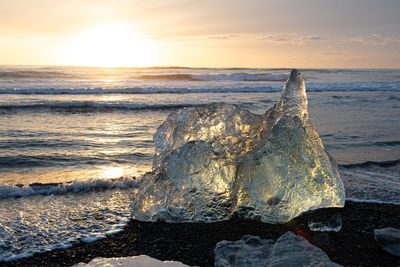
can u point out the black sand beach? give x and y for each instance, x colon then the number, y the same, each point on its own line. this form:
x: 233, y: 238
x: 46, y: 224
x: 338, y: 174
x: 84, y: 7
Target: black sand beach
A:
x: 193, y: 244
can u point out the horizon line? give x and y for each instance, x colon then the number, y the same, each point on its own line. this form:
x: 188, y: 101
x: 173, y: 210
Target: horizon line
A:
x: 187, y: 67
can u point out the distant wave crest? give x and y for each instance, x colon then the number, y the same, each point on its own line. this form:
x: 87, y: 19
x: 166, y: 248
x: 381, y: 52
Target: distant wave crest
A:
x: 216, y: 77
x: 33, y: 74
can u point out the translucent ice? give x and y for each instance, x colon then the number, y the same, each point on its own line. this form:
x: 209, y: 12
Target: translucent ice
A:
x: 218, y: 160
x: 334, y: 223
x: 288, y: 250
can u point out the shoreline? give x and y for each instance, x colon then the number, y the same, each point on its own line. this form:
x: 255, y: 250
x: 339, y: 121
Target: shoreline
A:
x: 193, y: 243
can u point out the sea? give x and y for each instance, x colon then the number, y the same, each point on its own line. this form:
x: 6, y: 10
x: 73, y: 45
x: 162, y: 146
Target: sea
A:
x: 75, y: 141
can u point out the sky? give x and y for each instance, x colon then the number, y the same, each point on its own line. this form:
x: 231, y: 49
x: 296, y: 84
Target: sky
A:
x: 207, y: 33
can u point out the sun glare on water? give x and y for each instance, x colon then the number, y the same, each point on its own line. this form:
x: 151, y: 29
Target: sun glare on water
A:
x: 109, y: 45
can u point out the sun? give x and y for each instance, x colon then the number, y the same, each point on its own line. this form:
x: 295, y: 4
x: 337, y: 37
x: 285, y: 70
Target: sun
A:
x: 109, y: 45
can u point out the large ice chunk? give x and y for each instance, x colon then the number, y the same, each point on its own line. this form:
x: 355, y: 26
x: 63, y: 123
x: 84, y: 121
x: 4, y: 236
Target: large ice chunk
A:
x: 218, y: 160
x: 288, y: 250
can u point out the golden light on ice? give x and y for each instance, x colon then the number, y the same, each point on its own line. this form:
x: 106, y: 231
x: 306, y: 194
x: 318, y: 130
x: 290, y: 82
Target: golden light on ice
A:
x: 109, y: 45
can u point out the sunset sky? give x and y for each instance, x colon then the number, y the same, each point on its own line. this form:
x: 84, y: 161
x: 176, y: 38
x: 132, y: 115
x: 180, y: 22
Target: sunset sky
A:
x: 207, y: 33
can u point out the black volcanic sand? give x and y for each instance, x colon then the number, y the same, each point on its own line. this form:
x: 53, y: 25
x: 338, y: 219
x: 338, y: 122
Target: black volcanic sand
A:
x: 193, y: 243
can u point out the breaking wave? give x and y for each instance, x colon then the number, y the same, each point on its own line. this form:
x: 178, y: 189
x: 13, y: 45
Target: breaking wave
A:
x: 19, y: 190
x: 372, y: 182
x: 139, y: 90
x: 382, y: 164
x: 92, y: 106
x: 193, y: 87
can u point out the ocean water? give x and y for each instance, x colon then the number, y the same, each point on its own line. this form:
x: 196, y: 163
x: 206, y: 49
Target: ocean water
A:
x: 75, y: 141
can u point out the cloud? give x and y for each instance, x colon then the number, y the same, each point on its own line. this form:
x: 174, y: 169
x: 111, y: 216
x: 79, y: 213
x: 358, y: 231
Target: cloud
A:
x: 223, y: 37
x: 291, y: 38
x: 315, y: 38
x: 285, y: 38
x: 374, y: 40
x: 334, y: 54
x: 185, y: 36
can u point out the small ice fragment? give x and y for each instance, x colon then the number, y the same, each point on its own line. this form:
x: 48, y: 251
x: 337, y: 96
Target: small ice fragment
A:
x: 137, y: 261
x: 334, y: 223
x: 288, y: 250
x: 248, y: 251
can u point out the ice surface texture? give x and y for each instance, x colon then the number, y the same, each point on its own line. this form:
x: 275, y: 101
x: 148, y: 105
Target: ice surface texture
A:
x: 288, y: 250
x: 334, y: 223
x: 218, y: 160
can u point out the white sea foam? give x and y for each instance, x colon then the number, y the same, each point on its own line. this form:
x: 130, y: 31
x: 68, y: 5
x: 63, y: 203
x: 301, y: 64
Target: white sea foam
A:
x: 371, y: 184
x: 13, y: 191
x: 350, y: 199
x: 33, y: 224
x: 66, y: 244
